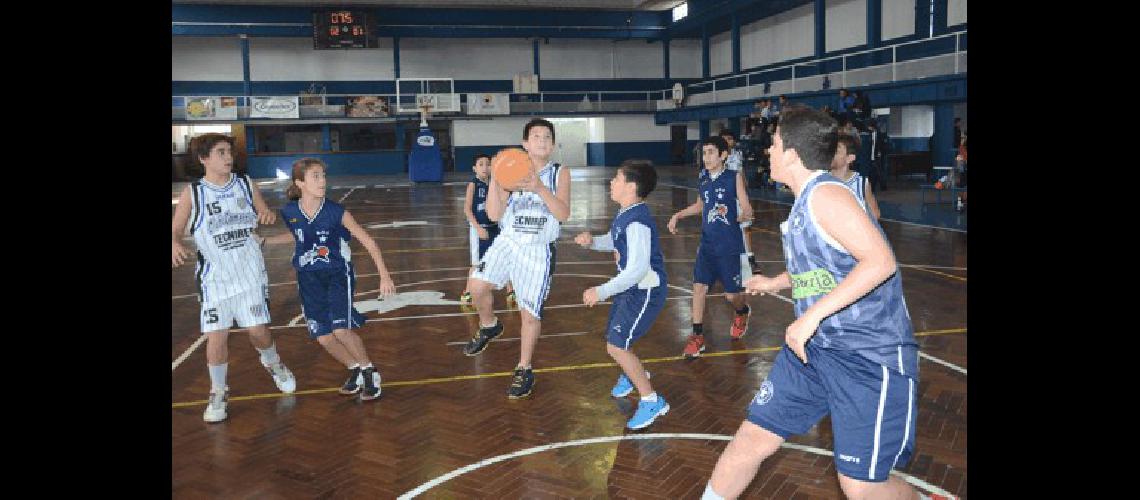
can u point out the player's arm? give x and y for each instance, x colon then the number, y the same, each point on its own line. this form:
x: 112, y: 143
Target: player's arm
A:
x: 638, y: 245
x: 387, y: 287
x: 467, y: 199
x: 558, y: 203
x: 872, y: 203
x: 601, y: 243
x: 264, y: 214
x: 690, y: 210
x: 178, y: 253
x: 742, y: 195
x: 763, y: 284
x: 278, y: 239
x: 496, y: 199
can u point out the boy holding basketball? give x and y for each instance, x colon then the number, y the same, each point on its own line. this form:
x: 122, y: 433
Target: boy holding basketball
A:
x: 638, y: 290
x: 483, y: 230
x: 722, y: 242
x: 530, y: 215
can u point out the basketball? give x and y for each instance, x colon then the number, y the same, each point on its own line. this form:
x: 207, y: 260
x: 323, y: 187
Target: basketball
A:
x: 510, y: 166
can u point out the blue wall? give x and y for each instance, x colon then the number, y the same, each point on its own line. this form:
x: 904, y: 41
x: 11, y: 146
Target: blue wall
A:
x: 369, y: 163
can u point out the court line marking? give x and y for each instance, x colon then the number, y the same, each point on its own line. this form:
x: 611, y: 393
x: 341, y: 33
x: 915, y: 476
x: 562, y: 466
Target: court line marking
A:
x: 578, y: 263
x: 348, y: 193
x: 186, y: 354
x: 456, y: 378
x: 789, y: 204
x: 509, y: 339
x: 635, y: 437
x: 947, y: 364
x: 931, y: 271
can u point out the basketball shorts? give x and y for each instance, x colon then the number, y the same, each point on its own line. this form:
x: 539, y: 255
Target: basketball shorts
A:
x: 222, y: 306
x: 479, y: 247
x: 326, y: 300
x: 727, y: 269
x: 528, y: 267
x: 632, y: 313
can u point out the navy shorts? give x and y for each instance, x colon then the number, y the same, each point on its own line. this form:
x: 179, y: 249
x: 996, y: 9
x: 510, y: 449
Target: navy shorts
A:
x: 632, y: 313
x: 326, y: 300
x: 709, y: 268
x: 873, y: 408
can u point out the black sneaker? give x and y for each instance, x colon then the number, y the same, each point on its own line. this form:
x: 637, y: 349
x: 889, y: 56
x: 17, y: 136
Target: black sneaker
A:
x: 371, y: 384
x: 522, y: 384
x: 352, y: 385
x: 481, y: 338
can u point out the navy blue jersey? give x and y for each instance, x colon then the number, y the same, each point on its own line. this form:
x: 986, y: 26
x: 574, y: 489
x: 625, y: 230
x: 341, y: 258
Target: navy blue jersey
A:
x: 720, y: 231
x: 322, y: 242
x: 637, y: 213
x: 479, y: 203
x: 878, y: 325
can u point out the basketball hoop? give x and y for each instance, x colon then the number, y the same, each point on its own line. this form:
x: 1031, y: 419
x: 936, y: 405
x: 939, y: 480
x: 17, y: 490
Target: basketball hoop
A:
x: 425, y: 113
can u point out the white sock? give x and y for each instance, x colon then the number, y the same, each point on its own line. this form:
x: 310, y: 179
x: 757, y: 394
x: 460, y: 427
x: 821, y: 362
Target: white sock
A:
x: 650, y: 398
x: 710, y: 494
x: 481, y: 325
x: 354, y: 366
x: 269, y: 355
x: 218, y: 377
x: 366, y: 367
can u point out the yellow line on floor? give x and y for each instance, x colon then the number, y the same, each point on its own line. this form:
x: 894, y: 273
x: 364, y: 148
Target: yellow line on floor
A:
x: 539, y: 370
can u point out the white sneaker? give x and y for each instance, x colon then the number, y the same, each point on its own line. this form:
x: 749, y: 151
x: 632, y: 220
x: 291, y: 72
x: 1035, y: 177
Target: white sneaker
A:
x: 216, y: 407
x: 282, y: 377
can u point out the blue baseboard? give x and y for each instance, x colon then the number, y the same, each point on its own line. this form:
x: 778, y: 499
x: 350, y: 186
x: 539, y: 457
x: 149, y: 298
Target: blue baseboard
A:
x: 365, y: 163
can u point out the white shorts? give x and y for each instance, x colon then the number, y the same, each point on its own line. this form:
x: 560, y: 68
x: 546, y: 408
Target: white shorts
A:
x: 248, y: 308
x: 529, y: 268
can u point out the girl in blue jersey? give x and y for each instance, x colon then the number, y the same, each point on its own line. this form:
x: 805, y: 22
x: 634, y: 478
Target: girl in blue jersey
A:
x: 322, y: 230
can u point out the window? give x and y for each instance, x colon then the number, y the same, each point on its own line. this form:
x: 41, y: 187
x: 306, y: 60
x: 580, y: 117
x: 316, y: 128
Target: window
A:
x: 680, y: 11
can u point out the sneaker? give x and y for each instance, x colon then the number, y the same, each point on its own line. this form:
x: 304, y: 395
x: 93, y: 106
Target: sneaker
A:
x: 740, y: 324
x: 371, y: 379
x: 216, y: 407
x: 695, y: 346
x: 522, y: 383
x: 624, y: 386
x: 355, y: 380
x: 465, y: 299
x: 647, y: 412
x: 282, y: 377
x: 481, y: 338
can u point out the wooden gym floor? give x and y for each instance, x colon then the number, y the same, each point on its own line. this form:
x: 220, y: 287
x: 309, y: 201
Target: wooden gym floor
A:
x: 442, y: 412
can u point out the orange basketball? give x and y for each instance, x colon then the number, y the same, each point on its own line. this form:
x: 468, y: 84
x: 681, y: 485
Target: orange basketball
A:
x: 510, y: 166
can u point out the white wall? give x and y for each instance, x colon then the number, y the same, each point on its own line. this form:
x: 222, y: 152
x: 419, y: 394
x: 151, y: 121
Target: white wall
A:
x: 955, y: 12
x: 685, y: 58
x: 294, y: 59
x: 584, y: 59
x: 720, y: 54
x: 464, y: 58
x: 693, y: 132
x: 912, y: 121
x: 195, y: 58
x: 898, y: 18
x: 787, y: 35
x: 494, y: 132
x: 634, y: 128
x: 846, y: 24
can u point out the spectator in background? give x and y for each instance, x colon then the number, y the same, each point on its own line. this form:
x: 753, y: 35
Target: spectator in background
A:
x: 879, y: 145
x: 766, y: 112
x: 863, y: 108
x: 960, y: 172
x: 957, y: 132
x: 846, y: 102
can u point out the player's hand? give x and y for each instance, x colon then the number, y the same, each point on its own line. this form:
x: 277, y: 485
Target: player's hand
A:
x: 529, y: 183
x: 178, y: 253
x: 590, y: 296
x: 760, y: 284
x: 267, y: 217
x: 673, y: 224
x: 482, y: 232
x: 387, y: 287
x: 585, y: 239
x: 744, y: 216
x: 798, y: 333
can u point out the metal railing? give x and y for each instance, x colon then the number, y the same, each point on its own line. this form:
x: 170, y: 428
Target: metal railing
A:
x: 906, y: 61
x: 865, y: 67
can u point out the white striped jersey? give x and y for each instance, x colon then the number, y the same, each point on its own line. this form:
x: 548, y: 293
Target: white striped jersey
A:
x: 222, y: 220
x: 527, y: 220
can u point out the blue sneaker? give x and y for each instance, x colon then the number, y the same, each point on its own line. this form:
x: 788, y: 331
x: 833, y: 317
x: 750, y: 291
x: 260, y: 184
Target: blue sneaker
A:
x: 647, y: 412
x: 624, y: 386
